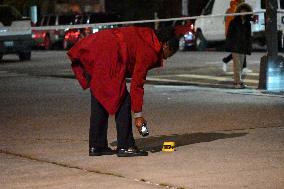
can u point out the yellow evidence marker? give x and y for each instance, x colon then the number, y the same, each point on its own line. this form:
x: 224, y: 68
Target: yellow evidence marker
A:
x: 168, y: 147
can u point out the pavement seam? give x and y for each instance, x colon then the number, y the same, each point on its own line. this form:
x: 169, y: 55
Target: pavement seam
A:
x: 57, y: 163
x: 87, y: 170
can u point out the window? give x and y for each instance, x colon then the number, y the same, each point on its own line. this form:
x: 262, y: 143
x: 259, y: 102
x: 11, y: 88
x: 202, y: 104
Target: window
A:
x: 86, y: 19
x: 65, y: 20
x: 281, y: 4
x: 78, y: 19
x: 52, y: 20
x: 97, y: 18
x: 8, y: 15
x: 44, y: 21
x: 263, y: 4
x: 208, y: 8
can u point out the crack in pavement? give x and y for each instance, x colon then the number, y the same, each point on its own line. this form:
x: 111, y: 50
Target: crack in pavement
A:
x: 57, y: 163
x: 62, y: 140
x: 141, y: 180
x: 86, y: 170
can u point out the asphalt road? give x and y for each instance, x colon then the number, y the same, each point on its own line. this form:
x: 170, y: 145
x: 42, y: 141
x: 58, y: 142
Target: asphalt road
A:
x: 40, y: 77
x: 45, y: 116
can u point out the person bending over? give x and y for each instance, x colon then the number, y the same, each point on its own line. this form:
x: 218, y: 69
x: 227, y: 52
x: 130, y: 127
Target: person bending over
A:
x: 102, y: 61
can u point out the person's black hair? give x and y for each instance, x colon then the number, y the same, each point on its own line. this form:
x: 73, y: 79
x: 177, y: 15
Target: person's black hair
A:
x: 245, y: 7
x: 167, y: 35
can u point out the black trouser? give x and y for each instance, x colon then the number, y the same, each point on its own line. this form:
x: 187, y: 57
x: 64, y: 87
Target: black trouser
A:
x: 99, y: 124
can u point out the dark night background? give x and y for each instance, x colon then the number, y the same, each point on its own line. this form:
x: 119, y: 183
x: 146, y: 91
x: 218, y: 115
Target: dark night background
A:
x: 127, y: 9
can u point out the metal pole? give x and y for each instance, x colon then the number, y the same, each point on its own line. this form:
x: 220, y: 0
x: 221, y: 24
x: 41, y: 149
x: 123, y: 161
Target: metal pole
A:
x: 271, y: 75
x: 271, y: 28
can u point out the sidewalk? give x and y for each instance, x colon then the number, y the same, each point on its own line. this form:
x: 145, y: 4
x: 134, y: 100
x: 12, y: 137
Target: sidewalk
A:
x: 226, y: 159
x: 44, y: 134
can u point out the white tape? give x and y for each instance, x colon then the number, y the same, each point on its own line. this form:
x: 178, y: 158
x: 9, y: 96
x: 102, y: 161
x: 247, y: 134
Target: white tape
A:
x: 280, y: 11
x: 65, y: 27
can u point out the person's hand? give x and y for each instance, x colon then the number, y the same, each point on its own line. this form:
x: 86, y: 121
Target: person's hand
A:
x: 139, y: 122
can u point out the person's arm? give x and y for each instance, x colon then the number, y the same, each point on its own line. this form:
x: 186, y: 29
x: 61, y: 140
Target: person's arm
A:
x: 137, y: 92
x: 137, y: 87
x: 144, y: 61
x: 81, y: 74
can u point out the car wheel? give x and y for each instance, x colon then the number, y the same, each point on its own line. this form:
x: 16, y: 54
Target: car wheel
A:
x: 47, y: 43
x: 25, y: 56
x: 200, y: 42
x: 182, y: 44
x: 1, y: 56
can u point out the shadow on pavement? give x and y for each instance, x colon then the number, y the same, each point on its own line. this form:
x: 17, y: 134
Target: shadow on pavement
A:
x: 154, y: 144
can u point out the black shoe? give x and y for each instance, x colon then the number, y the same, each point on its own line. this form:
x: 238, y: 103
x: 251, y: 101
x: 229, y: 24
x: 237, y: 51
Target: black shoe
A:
x: 227, y: 59
x: 240, y: 85
x: 130, y: 152
x: 99, y: 151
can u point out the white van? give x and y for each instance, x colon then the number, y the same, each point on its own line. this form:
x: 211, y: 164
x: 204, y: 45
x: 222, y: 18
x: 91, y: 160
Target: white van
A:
x: 211, y: 30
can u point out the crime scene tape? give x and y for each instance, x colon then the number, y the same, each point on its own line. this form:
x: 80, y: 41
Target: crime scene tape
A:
x: 63, y: 27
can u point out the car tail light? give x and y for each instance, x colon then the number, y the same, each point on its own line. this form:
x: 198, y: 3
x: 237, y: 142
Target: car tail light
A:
x: 76, y: 34
x: 72, y: 34
x: 67, y: 36
x: 39, y: 35
x: 43, y: 35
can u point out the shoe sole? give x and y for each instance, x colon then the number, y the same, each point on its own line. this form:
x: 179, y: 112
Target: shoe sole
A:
x: 239, y: 87
x: 131, y: 155
x: 101, y: 154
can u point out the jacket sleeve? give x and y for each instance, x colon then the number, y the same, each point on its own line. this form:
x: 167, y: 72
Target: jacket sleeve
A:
x: 137, y: 86
x: 81, y: 75
x: 77, y: 67
x: 144, y: 62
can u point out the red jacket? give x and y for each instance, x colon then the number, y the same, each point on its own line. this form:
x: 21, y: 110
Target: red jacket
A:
x: 110, y: 56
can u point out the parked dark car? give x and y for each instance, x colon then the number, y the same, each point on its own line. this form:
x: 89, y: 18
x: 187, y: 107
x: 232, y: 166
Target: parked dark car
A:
x: 73, y: 35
